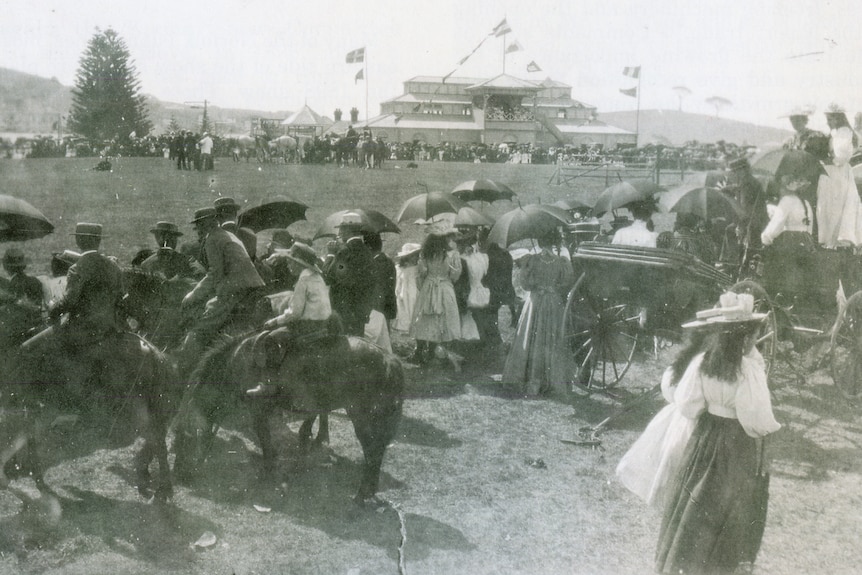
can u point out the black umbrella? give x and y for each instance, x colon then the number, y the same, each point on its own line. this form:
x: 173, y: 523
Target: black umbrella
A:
x: 426, y: 206
x: 703, y: 201
x: 778, y: 163
x: 20, y: 221
x: 277, y: 213
x: 623, y: 193
x: 371, y: 221
x: 530, y: 221
x: 482, y: 191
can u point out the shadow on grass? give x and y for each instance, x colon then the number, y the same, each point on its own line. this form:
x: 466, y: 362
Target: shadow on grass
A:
x: 417, y: 432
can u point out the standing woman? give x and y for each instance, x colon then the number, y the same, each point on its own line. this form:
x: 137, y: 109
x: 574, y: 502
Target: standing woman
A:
x: 536, y: 359
x: 839, y: 210
x: 436, y: 318
x: 714, y: 516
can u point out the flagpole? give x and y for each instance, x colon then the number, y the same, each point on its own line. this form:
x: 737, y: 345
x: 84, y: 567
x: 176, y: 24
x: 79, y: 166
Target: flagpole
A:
x: 366, y: 87
x: 638, y: 113
x: 504, y: 53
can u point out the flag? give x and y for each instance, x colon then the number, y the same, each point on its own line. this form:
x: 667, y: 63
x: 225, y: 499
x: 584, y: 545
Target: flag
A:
x: 356, y: 56
x: 633, y: 92
x: 360, y: 75
x: 515, y: 46
x: 533, y: 67
x: 632, y: 71
x: 501, y: 29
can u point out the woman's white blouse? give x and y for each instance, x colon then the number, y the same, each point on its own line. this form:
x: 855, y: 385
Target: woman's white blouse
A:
x: 746, y: 399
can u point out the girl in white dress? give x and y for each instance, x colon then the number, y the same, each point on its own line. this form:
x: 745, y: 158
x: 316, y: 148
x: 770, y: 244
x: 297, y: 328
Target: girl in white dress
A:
x: 839, y: 210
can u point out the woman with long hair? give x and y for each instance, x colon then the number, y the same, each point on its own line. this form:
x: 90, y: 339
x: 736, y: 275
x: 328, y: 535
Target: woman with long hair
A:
x: 435, y: 318
x: 716, y: 508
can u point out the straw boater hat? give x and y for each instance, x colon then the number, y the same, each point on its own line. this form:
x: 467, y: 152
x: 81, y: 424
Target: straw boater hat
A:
x: 733, y: 308
x: 203, y: 214
x: 304, y: 255
x: 797, y: 111
x: 407, y: 249
x: 87, y: 229
x: 166, y: 228
x: 835, y: 109
x: 226, y: 204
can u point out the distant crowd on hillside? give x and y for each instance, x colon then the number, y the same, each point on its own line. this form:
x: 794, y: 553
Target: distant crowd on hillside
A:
x: 693, y: 155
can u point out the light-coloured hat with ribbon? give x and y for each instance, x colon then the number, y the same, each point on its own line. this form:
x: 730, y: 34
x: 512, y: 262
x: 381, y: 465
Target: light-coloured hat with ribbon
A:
x: 732, y: 308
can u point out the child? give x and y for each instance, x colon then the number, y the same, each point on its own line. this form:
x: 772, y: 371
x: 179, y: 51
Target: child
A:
x: 406, y: 288
x: 308, y: 313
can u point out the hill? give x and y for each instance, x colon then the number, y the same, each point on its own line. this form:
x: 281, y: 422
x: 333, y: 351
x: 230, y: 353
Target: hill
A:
x: 674, y: 128
x: 32, y: 105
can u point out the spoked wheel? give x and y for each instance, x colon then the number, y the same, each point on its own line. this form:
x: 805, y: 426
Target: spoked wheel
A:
x: 846, y: 349
x: 767, y: 344
x: 601, y: 335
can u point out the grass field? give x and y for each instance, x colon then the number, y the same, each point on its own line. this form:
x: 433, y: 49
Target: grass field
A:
x: 478, y: 480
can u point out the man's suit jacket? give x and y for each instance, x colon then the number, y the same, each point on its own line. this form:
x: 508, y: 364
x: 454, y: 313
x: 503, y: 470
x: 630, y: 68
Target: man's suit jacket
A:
x: 230, y: 269
x: 94, y: 290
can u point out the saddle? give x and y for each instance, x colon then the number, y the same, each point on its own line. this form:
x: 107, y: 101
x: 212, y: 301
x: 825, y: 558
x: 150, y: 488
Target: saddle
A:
x: 271, y: 348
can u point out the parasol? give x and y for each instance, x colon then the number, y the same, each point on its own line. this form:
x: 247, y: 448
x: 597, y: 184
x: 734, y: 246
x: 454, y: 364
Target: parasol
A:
x: 20, y: 221
x: 276, y: 213
x: 427, y: 205
x: 703, y: 201
x: 469, y: 217
x: 623, y: 193
x: 371, y: 221
x: 483, y: 191
x: 530, y: 221
x: 781, y: 162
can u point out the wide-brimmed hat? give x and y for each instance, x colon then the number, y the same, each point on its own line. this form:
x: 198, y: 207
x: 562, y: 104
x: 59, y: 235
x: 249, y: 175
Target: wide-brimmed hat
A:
x: 283, y: 238
x: 835, y: 109
x: 304, y: 255
x: 732, y: 308
x: 226, y: 203
x: 14, y: 257
x: 166, y: 228
x: 407, y: 249
x: 796, y: 111
x: 351, y: 222
x: 203, y: 214
x: 739, y: 164
x: 88, y: 229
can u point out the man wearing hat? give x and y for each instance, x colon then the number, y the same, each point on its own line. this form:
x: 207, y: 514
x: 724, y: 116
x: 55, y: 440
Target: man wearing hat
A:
x: 281, y: 277
x: 230, y: 280
x: 306, y: 316
x: 21, y: 286
x: 745, y: 189
x: 227, y: 212
x: 384, y: 306
x: 167, y: 261
x: 94, y: 293
x: 350, y: 276
x: 206, y: 146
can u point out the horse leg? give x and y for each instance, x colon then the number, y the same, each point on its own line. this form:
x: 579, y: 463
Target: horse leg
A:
x: 323, y: 429
x: 7, y: 454
x: 260, y: 416
x: 374, y: 429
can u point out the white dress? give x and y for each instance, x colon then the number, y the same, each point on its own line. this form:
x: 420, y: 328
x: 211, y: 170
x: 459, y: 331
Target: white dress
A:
x: 636, y: 234
x: 477, y: 267
x: 839, y: 210
x: 405, y: 295
x: 654, y: 459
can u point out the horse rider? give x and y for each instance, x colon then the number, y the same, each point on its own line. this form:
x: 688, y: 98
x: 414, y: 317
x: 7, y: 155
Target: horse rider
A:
x: 231, y: 280
x: 93, y: 299
x: 307, y: 319
x: 745, y: 189
x: 803, y: 137
x: 167, y: 261
x: 350, y: 276
x: 227, y: 214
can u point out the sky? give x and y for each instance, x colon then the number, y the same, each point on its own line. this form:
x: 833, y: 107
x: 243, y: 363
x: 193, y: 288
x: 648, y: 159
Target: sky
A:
x: 764, y: 56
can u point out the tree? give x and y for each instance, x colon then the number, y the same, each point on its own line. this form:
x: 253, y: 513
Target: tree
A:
x: 718, y: 103
x: 681, y: 93
x: 106, y: 100
x: 173, y: 125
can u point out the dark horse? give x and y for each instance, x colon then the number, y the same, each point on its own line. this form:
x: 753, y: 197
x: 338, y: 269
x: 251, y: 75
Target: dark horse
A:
x: 337, y: 372
x: 121, y: 379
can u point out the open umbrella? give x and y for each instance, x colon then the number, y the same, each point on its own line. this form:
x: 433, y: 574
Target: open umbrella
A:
x: 371, y: 220
x: 469, y: 217
x: 482, y: 191
x: 623, y: 193
x: 20, y: 221
x: 703, y: 201
x: 573, y: 205
x: 530, y: 221
x: 777, y: 163
x: 276, y: 213
x: 427, y: 205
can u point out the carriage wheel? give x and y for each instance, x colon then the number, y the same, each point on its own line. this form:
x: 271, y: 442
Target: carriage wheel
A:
x: 846, y: 350
x: 602, y: 336
x: 768, y: 342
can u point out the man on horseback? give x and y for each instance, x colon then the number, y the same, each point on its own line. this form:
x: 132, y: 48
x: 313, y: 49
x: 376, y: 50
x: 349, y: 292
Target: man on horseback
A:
x: 231, y: 281
x: 227, y: 214
x: 350, y: 276
x: 93, y: 299
x: 167, y: 261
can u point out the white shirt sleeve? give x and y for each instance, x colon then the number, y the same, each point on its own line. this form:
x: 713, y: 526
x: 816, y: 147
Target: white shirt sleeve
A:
x: 689, y: 396
x: 753, y: 404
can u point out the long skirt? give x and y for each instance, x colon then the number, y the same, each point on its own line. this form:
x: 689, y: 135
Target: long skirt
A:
x: 714, y: 517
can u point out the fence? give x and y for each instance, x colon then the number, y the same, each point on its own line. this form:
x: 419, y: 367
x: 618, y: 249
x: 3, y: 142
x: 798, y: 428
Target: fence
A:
x: 615, y: 172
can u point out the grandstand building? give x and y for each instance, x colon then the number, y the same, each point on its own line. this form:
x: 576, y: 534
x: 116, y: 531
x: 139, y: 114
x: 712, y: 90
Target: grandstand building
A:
x: 504, y: 109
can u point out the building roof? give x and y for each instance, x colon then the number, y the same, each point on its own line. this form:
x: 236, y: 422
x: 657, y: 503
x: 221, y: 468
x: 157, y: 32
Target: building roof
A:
x: 561, y: 103
x: 548, y: 83
x: 450, y: 80
x: 506, y: 82
x: 412, y: 98
x: 424, y: 122
x: 305, y: 116
x: 590, y: 128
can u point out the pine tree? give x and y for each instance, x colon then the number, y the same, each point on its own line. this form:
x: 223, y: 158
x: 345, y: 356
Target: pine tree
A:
x: 174, y: 126
x: 106, y: 100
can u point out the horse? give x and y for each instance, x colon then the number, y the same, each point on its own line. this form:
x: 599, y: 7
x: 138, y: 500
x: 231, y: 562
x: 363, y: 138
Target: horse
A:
x: 345, y: 150
x: 153, y: 302
x: 244, y: 147
x: 119, y: 378
x: 284, y: 147
x: 366, y: 148
x: 338, y: 372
